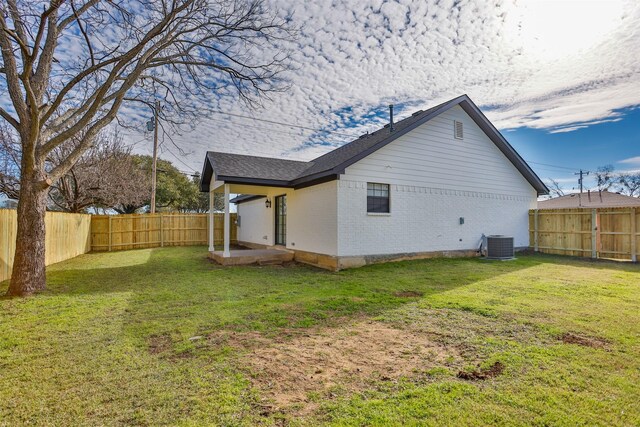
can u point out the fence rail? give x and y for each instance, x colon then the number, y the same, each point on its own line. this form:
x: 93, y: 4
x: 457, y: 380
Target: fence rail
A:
x: 70, y: 235
x: 596, y: 233
x: 121, y: 232
x: 67, y: 236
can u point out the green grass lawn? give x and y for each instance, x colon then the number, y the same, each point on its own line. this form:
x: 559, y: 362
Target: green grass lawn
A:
x: 165, y: 337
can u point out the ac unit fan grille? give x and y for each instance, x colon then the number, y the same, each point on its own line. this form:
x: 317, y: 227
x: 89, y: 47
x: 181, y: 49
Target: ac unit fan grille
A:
x: 500, y: 247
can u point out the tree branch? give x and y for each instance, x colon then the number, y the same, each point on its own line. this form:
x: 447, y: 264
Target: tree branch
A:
x: 43, y: 70
x: 84, y: 33
x: 9, y: 118
x: 77, y: 14
x: 11, y: 71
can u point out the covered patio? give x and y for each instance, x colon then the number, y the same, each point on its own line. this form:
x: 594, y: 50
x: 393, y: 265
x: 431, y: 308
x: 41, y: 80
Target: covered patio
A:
x: 240, y: 255
x: 274, y: 179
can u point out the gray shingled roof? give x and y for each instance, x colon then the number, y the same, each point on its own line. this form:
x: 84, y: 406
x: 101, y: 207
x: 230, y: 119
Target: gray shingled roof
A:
x: 238, y: 168
x: 593, y: 199
x: 268, y: 168
x: 237, y: 165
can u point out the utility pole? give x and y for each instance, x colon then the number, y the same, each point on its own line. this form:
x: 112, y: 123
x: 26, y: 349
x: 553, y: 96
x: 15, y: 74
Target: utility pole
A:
x: 154, y: 164
x: 580, y: 180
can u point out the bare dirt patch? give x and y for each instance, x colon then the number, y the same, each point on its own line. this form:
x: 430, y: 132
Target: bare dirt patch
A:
x: 593, y: 342
x: 159, y: 343
x: 347, y: 358
x: 238, y: 340
x: 482, y: 373
x: 162, y: 346
x: 408, y: 294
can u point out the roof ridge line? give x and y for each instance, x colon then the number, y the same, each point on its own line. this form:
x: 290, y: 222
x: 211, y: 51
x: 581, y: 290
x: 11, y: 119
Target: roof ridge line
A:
x: 258, y: 157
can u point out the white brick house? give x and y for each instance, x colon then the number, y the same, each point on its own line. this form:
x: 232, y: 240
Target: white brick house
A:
x: 428, y: 185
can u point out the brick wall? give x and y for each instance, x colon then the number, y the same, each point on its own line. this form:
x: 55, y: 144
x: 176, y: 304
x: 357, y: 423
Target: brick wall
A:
x: 425, y: 219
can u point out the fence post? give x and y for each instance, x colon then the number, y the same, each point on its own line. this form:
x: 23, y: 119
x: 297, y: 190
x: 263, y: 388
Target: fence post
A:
x: 109, y: 233
x: 134, y: 234
x: 535, y: 231
x: 161, y: 233
x: 634, y: 251
x: 594, y: 235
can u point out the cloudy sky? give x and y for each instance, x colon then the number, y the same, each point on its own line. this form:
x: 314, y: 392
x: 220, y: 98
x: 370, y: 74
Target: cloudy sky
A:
x: 560, y: 79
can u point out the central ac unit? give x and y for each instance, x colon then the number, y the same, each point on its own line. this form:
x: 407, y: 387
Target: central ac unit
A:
x: 500, y: 247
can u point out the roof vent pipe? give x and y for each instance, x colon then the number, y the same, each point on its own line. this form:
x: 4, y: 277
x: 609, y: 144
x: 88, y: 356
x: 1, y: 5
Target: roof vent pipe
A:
x: 390, y: 118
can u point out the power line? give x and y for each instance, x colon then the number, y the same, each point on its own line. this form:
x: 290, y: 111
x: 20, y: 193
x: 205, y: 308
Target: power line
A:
x: 551, y: 170
x: 257, y: 127
x: 180, y: 160
x: 582, y: 173
x: 555, y: 166
x: 252, y: 152
x: 284, y: 124
x: 133, y: 144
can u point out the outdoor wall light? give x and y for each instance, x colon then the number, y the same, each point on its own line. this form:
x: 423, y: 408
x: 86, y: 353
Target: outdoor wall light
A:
x: 267, y: 203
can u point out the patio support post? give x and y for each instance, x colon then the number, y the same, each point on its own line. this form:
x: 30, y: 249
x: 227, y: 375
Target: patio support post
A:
x: 211, y: 219
x: 227, y: 219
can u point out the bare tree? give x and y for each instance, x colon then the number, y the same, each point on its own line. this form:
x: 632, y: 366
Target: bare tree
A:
x: 9, y: 164
x: 629, y: 183
x: 555, y: 188
x: 605, y: 177
x: 121, y: 51
x: 106, y: 176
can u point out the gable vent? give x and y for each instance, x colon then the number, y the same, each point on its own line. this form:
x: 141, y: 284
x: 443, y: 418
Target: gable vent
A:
x: 458, y: 130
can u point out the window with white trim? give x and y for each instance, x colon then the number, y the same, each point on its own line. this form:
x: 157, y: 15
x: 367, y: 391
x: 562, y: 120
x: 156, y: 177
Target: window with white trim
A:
x: 377, y: 198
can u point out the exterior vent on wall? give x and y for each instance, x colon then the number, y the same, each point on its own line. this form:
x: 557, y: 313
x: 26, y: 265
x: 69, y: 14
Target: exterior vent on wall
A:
x: 500, y: 247
x: 458, y: 130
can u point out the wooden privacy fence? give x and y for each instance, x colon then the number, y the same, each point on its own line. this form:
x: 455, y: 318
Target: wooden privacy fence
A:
x: 67, y: 236
x: 70, y: 235
x: 120, y: 232
x: 596, y: 233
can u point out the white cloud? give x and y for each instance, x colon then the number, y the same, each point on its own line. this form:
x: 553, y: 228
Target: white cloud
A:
x: 558, y: 65
x: 364, y: 55
x: 583, y: 125
x: 568, y: 129
x: 631, y: 160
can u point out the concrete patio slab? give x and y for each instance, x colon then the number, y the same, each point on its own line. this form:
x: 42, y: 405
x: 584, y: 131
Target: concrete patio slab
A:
x: 252, y: 256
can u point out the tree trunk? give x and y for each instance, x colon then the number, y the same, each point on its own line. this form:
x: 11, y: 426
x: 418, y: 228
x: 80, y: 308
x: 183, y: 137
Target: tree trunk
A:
x: 28, y: 275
